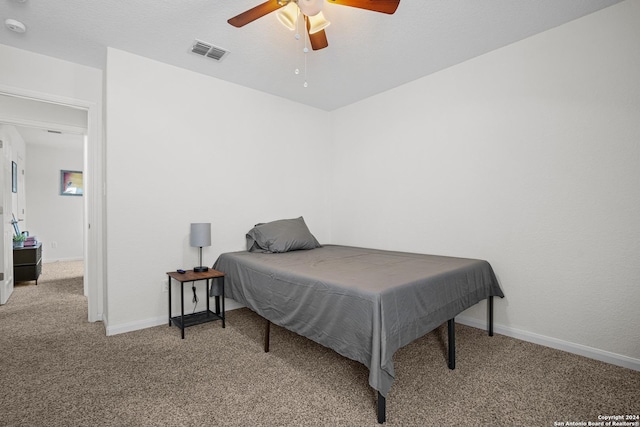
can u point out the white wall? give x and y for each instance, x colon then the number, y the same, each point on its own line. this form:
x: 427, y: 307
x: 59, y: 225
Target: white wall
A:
x: 56, y: 220
x: 40, y: 74
x: 528, y: 157
x: 183, y: 147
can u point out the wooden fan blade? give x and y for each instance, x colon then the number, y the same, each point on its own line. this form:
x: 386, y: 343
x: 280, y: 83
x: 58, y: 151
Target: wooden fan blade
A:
x: 254, y: 13
x: 318, y: 40
x: 383, y: 6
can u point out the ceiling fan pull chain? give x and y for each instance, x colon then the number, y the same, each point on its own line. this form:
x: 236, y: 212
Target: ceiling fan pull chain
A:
x: 297, y: 37
x: 305, y: 50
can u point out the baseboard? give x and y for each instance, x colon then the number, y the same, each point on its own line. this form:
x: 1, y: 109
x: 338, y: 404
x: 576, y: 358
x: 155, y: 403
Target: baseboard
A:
x: 136, y: 326
x: 579, y: 349
x: 49, y: 260
x: 157, y: 321
x: 230, y: 304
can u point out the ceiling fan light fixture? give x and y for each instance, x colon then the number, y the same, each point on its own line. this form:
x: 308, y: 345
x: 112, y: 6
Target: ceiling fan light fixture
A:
x: 288, y: 16
x: 310, y: 7
x: 318, y: 23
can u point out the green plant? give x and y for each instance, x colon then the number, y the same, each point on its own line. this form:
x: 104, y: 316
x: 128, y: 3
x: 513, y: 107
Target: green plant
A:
x: 19, y: 238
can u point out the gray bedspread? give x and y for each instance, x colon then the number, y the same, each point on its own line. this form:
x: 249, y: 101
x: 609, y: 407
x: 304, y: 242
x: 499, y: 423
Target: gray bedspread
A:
x: 363, y: 303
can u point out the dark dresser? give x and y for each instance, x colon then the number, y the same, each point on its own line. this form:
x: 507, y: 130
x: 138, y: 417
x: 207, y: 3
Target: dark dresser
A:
x: 27, y: 263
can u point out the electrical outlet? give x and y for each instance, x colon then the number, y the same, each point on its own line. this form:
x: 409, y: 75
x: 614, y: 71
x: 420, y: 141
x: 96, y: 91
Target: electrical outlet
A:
x: 54, y: 245
x: 165, y: 287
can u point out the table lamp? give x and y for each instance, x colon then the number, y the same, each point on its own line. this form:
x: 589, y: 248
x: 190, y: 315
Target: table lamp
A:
x: 200, y: 236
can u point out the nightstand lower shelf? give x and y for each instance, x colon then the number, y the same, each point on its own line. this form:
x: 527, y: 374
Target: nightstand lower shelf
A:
x: 195, y: 319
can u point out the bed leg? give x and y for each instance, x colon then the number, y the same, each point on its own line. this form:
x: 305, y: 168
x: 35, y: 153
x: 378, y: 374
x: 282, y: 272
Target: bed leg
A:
x: 452, y: 343
x: 382, y: 409
x: 267, y: 332
x: 490, y: 315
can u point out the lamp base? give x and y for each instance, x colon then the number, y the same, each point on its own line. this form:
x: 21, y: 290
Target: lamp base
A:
x: 200, y: 269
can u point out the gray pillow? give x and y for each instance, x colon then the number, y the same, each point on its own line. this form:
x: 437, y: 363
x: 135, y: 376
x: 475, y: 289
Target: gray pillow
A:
x: 280, y: 236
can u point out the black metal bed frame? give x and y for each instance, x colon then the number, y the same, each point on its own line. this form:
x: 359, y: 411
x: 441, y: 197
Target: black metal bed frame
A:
x: 451, y: 332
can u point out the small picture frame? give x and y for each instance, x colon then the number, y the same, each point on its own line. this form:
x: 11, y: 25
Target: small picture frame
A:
x: 14, y: 177
x: 71, y: 183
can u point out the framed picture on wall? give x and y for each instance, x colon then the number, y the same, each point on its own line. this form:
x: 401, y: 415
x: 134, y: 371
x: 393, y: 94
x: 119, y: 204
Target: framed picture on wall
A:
x: 14, y: 177
x: 71, y: 183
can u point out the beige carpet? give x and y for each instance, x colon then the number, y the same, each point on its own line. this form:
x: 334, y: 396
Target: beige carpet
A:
x: 59, y: 370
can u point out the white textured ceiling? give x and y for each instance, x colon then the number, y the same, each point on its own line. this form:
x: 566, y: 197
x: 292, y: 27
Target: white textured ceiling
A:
x: 368, y: 52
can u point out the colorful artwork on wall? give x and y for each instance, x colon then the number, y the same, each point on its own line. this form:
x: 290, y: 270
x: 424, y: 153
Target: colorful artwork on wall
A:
x: 71, y: 183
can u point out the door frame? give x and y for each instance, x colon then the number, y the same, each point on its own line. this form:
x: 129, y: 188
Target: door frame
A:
x: 94, y: 250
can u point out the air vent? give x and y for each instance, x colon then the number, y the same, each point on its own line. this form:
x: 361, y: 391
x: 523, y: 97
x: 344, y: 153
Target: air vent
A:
x: 208, y: 50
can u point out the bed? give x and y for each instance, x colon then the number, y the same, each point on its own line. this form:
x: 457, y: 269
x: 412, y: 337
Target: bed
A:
x: 363, y: 303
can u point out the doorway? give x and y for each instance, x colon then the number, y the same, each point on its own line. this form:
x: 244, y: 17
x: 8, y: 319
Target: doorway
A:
x: 80, y: 120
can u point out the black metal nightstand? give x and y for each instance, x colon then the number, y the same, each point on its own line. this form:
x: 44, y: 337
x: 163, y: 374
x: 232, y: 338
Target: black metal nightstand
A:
x: 186, y: 320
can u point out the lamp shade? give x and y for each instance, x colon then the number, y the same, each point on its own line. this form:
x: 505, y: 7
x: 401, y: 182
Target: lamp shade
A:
x: 317, y: 23
x: 288, y: 15
x: 200, y: 234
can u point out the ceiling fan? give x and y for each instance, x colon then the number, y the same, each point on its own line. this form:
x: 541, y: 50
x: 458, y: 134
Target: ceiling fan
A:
x: 312, y: 12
